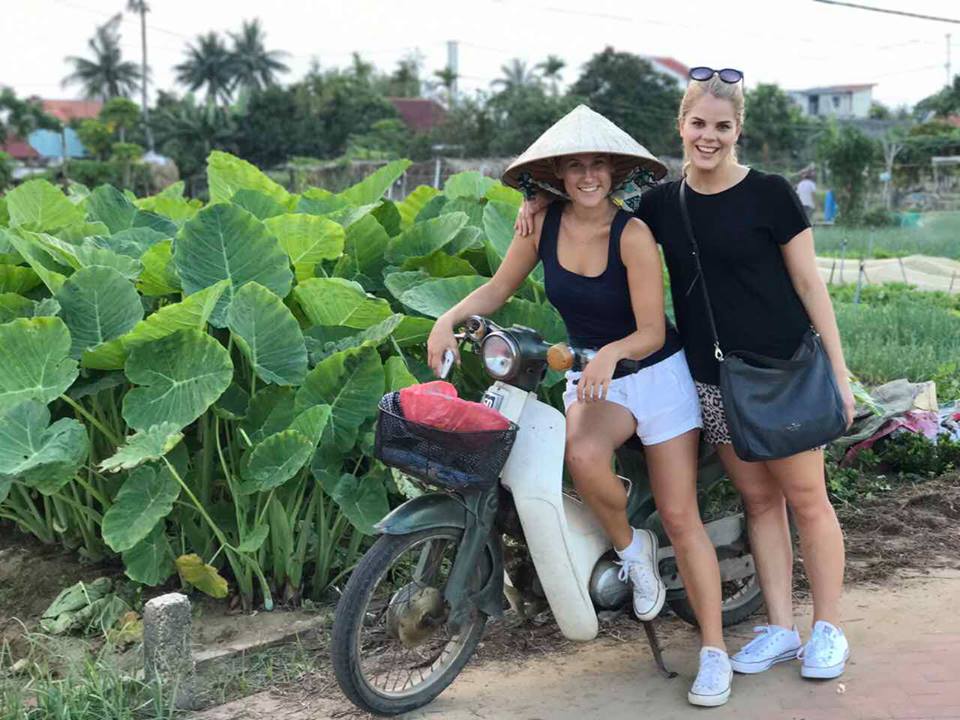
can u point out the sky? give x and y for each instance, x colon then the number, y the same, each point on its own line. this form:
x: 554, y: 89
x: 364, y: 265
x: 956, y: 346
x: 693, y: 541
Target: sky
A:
x: 794, y: 43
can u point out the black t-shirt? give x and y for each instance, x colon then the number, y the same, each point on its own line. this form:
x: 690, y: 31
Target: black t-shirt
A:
x: 739, y: 231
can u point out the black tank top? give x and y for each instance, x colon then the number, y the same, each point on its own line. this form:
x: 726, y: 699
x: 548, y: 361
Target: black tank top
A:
x: 596, y: 310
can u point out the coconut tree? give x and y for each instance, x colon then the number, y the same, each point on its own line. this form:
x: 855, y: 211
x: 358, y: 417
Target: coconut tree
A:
x: 515, y: 75
x: 551, y: 70
x: 209, y: 64
x: 141, y: 8
x: 107, y: 75
x: 448, y: 78
x: 255, y: 67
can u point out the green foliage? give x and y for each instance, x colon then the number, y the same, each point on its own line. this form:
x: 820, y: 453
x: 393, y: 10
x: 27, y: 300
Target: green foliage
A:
x: 775, y: 129
x: 850, y: 156
x: 231, y: 358
x: 6, y: 170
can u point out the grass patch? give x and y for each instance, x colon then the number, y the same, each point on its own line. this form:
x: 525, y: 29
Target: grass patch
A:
x: 937, y: 235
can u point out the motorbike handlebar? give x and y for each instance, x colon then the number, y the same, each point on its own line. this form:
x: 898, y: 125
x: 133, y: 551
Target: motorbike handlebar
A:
x: 561, y: 357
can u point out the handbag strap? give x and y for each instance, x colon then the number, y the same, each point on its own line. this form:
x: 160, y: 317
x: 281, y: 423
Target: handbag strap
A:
x: 688, y: 226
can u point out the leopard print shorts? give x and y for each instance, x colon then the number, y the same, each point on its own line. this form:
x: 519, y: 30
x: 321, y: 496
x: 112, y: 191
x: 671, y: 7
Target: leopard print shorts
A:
x: 715, y: 430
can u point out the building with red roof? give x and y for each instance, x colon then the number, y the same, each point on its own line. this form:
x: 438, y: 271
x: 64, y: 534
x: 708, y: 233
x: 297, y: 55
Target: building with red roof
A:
x: 419, y: 114
x: 67, y: 110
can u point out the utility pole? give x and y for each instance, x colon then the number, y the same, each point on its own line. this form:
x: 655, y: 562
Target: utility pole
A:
x: 453, y: 65
x: 949, y: 68
x: 141, y: 7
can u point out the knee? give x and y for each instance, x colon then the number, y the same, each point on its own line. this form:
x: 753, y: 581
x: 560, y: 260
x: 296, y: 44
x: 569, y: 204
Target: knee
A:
x: 585, y: 458
x: 810, y: 506
x: 681, y: 524
x: 761, y: 502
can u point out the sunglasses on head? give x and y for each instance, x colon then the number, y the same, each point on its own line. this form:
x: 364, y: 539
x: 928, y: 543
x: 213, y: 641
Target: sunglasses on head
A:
x: 727, y: 75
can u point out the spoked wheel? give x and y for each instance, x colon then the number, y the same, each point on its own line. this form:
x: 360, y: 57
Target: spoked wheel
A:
x: 740, y: 599
x: 392, y: 648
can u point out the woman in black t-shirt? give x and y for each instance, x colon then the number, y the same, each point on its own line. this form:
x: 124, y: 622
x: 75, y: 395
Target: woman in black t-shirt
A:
x: 758, y: 260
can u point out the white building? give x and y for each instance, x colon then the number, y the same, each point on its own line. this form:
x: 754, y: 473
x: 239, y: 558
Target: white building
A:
x: 840, y: 101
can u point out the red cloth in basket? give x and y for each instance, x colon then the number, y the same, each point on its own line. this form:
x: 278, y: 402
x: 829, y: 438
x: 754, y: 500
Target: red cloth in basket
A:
x: 436, y: 404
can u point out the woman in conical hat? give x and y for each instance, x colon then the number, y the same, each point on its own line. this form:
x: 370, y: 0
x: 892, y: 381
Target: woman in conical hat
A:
x: 602, y: 272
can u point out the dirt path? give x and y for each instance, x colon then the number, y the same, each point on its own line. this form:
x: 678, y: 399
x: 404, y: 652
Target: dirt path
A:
x: 906, y: 664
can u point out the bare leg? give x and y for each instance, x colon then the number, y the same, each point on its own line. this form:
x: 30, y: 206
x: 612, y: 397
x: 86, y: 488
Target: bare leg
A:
x: 594, y: 431
x: 673, y: 478
x: 769, y: 532
x: 801, y: 478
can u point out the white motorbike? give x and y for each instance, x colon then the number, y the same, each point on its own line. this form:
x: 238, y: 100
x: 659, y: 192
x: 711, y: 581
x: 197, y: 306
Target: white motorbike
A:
x: 416, y: 605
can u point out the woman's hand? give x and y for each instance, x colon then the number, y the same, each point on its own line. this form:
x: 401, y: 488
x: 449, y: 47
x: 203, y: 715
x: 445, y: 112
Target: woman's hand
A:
x: 528, y: 210
x: 594, y: 382
x: 846, y: 395
x: 440, y: 341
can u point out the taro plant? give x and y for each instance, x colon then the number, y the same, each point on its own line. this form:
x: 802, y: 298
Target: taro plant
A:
x: 193, y: 387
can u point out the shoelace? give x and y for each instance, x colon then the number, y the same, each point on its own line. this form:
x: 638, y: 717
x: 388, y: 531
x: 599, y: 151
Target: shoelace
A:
x: 764, y: 634
x: 646, y: 578
x: 818, y: 650
x: 711, y: 670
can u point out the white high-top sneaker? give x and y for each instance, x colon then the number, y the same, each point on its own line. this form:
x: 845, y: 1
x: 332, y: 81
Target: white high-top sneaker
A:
x: 773, y: 644
x: 825, y: 654
x: 649, y: 591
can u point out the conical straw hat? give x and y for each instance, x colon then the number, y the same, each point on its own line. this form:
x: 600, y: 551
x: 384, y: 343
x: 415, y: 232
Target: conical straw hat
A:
x: 582, y: 130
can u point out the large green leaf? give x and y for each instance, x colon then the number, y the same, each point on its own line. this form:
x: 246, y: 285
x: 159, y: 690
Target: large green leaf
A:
x: 17, y: 279
x: 470, y: 184
x: 227, y: 174
x: 473, y: 209
x: 275, y: 460
x: 307, y: 240
x: 351, y: 383
x: 98, y: 304
x: 144, y: 499
x: 144, y: 446
x: 225, y: 242
x: 192, y: 313
x: 257, y: 203
x: 499, y: 192
x: 150, y: 562
x: 363, y: 500
x: 335, y: 301
x: 16, y: 306
x: 268, y: 335
x: 111, y: 207
x: 498, y: 219
x: 435, y: 297
x: 40, y: 206
x: 41, y: 456
x: 364, y: 246
x: 133, y: 242
x: 372, y: 187
x: 439, y: 264
x: 396, y: 374
x: 159, y: 275
x: 424, y: 238
x: 270, y: 411
x: 179, y: 376
x: 542, y: 317
x: 312, y: 422
x: 28, y: 244
x: 411, y: 205
x: 6, y: 482
x: 325, y: 341
x: 89, y: 254
x: 34, y: 360
x: 397, y: 283
x: 412, y: 331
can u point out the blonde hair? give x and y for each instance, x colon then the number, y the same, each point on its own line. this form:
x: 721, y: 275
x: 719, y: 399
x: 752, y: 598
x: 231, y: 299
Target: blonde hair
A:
x: 696, y: 89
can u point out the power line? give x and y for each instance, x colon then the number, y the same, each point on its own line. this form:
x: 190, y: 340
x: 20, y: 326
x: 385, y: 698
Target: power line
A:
x: 889, y: 12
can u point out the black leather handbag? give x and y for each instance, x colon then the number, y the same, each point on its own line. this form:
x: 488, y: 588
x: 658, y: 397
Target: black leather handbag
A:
x: 775, y: 408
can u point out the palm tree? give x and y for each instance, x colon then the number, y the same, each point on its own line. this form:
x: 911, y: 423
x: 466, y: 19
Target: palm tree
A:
x: 107, y: 75
x: 551, y: 70
x: 255, y: 67
x: 448, y: 78
x: 209, y: 63
x: 141, y: 8
x: 516, y: 75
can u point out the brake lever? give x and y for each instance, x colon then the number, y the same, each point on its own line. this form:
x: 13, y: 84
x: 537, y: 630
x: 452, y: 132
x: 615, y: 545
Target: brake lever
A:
x: 446, y: 365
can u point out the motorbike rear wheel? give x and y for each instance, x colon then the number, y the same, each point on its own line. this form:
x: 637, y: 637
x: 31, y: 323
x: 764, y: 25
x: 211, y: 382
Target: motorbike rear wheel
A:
x: 740, y: 599
x: 391, y: 648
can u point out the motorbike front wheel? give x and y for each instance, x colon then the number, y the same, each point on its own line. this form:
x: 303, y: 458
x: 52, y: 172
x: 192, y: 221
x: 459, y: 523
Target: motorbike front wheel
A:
x: 391, y: 647
x: 739, y: 600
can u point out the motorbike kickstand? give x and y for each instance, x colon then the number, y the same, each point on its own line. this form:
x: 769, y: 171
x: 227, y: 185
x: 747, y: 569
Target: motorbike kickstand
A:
x: 651, y: 631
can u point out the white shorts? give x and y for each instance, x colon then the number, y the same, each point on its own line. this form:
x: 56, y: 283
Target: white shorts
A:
x: 662, y: 398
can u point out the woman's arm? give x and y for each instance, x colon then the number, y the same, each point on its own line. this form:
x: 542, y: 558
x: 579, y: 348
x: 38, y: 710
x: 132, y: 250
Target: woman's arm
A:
x: 529, y: 210
x: 640, y: 256
x: 520, y: 260
x: 801, y: 262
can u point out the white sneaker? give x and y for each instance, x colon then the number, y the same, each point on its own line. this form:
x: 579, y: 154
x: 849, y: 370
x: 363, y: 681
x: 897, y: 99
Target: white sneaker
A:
x: 649, y: 591
x: 825, y: 654
x: 712, y: 684
x: 772, y: 645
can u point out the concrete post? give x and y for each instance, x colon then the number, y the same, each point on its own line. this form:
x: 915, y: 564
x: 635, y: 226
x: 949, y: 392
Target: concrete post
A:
x: 166, y: 646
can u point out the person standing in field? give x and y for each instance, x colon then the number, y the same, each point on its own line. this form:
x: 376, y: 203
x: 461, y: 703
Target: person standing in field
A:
x: 757, y: 257
x: 805, y: 191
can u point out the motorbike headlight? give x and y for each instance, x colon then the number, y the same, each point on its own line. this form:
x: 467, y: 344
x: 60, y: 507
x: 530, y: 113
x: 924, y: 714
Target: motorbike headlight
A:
x: 500, y: 356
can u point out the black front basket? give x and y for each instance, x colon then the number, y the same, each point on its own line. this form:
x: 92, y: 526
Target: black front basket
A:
x: 453, y: 460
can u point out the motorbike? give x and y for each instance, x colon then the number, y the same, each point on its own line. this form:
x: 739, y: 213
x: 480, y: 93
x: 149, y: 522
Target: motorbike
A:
x: 416, y: 605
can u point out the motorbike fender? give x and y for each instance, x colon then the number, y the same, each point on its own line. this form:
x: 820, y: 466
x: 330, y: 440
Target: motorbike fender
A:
x: 443, y: 510
x: 564, y: 539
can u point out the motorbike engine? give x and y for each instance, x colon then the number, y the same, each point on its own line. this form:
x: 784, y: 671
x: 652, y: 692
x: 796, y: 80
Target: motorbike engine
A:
x: 607, y: 591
